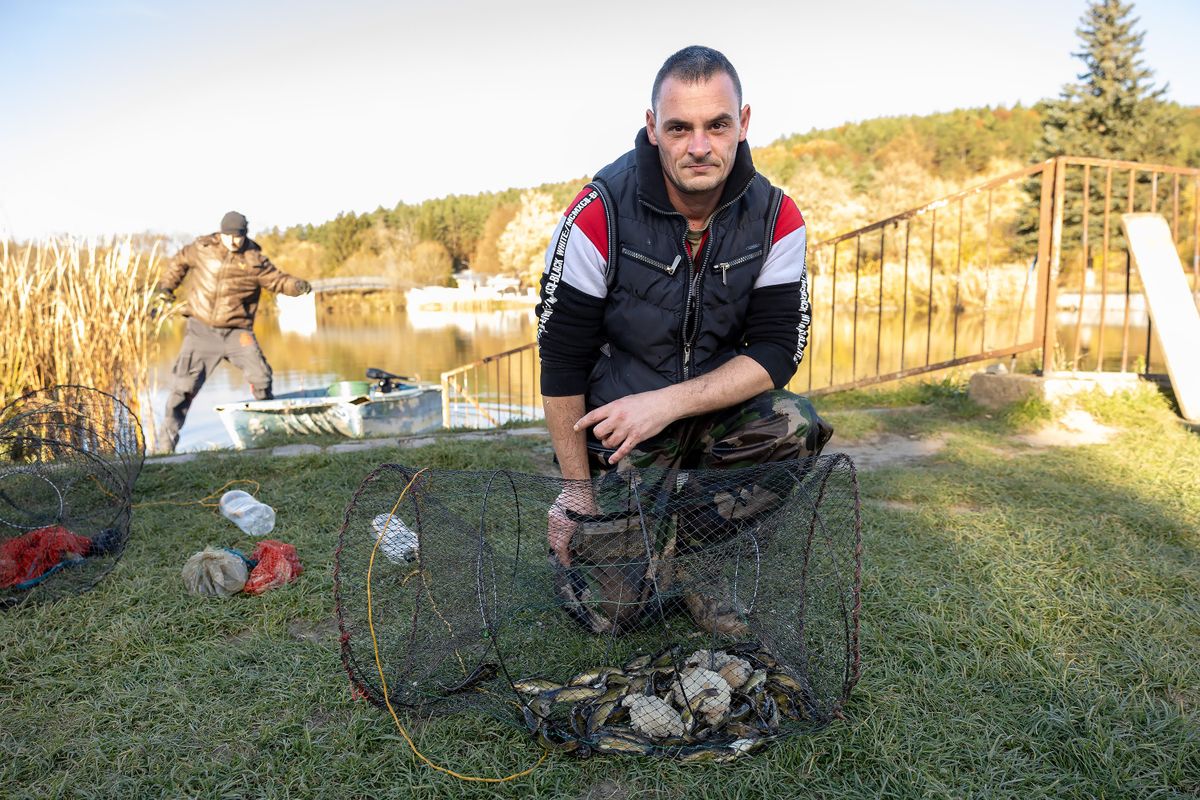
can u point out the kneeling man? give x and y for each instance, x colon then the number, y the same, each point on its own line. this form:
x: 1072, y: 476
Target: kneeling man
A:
x: 674, y: 308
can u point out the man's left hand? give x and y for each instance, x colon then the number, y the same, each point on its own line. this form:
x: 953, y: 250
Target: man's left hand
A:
x: 162, y: 299
x: 624, y: 424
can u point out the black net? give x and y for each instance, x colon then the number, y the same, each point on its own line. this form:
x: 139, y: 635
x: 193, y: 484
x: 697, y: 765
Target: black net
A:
x: 69, y: 456
x: 699, y: 614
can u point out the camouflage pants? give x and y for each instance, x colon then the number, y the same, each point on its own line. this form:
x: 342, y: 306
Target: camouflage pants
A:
x: 772, y: 426
x: 704, y: 516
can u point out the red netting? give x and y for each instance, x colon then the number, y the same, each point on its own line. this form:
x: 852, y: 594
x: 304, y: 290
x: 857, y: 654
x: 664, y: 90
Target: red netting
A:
x: 69, y: 457
x: 278, y: 564
x: 28, y: 557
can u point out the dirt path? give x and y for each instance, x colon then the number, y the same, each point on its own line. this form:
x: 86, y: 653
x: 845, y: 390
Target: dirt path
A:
x: 1073, y: 429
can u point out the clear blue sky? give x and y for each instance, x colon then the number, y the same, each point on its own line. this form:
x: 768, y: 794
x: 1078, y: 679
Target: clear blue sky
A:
x: 131, y: 115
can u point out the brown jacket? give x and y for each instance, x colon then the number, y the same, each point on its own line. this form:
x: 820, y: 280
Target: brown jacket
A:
x: 225, y: 286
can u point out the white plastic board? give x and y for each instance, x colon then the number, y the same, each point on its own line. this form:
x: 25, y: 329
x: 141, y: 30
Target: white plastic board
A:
x: 1172, y: 307
x: 297, y: 314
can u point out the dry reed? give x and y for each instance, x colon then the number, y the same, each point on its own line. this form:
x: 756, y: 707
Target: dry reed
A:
x: 79, y: 313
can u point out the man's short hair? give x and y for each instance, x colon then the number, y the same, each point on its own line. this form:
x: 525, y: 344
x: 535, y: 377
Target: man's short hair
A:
x: 695, y: 64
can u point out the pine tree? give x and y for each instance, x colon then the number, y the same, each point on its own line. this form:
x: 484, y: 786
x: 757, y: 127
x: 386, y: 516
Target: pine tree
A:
x: 1114, y: 111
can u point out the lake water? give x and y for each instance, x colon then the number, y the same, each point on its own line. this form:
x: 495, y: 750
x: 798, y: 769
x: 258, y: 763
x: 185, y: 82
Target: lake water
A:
x: 423, y: 345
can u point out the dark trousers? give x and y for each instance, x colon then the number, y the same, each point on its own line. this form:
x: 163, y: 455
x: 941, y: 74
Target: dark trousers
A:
x: 204, y: 348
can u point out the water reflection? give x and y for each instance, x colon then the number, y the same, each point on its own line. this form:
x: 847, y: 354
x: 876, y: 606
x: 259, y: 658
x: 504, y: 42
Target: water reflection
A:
x: 424, y: 345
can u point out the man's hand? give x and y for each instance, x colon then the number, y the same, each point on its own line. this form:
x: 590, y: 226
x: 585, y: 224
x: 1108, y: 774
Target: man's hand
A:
x: 624, y: 424
x: 162, y: 298
x: 303, y: 286
x: 576, y: 497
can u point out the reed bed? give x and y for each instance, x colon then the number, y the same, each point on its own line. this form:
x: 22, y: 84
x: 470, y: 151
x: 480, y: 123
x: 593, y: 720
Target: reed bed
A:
x: 82, y: 313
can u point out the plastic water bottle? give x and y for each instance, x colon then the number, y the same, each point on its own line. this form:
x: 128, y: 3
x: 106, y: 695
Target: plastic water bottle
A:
x: 253, y: 517
x: 399, y: 543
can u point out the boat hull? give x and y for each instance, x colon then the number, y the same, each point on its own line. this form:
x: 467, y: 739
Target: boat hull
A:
x: 398, y: 413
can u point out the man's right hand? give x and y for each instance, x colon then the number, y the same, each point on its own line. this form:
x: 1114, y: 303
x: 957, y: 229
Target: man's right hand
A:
x: 577, y: 498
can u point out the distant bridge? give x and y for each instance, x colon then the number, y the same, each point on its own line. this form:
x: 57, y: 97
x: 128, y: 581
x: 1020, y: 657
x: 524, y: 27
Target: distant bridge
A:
x: 354, y: 284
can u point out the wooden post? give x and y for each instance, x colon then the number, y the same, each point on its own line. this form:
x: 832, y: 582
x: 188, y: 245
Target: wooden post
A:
x: 1051, y: 245
x: 446, y: 400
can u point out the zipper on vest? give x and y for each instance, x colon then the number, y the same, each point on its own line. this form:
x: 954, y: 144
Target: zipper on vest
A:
x: 225, y: 260
x: 693, y: 281
x: 694, y: 289
x: 610, y: 253
x: 690, y: 335
x: 694, y: 285
x: 693, y: 305
x: 772, y: 219
x: 725, y: 266
x: 653, y: 262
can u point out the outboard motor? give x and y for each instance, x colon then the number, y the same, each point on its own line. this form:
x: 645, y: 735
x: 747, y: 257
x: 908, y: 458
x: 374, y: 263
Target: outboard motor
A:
x: 386, y: 381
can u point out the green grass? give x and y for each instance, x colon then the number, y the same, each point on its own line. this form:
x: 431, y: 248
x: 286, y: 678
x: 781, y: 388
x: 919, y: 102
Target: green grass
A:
x: 950, y: 390
x: 1031, y: 628
x: 1031, y: 412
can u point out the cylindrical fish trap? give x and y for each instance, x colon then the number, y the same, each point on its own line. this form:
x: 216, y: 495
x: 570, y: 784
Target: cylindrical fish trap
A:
x: 700, y: 614
x: 69, y: 456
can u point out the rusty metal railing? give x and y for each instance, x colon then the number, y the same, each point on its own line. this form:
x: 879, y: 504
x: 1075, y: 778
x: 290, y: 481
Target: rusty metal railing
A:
x: 1095, y: 192
x: 971, y: 277
x: 954, y: 281
x: 976, y: 275
x: 493, y: 391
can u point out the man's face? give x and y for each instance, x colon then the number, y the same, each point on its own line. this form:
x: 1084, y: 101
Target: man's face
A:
x: 232, y: 242
x: 697, y: 127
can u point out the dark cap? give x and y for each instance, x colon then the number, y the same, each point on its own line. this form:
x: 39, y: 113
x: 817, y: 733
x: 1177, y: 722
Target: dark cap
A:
x: 234, y: 224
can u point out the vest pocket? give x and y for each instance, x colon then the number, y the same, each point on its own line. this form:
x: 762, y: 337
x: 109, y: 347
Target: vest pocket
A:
x: 648, y: 261
x: 724, y: 266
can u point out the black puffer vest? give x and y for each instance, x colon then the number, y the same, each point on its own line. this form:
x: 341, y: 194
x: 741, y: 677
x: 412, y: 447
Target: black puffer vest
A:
x: 666, y: 321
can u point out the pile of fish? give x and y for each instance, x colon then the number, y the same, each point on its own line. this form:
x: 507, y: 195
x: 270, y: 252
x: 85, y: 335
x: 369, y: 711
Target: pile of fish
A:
x: 714, y: 705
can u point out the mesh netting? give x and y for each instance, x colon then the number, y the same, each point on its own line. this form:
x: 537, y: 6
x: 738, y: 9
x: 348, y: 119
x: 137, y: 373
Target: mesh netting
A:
x: 699, y: 614
x: 69, y: 456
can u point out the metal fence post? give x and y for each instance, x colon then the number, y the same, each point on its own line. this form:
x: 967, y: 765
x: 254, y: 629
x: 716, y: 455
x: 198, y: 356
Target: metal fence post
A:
x: 1045, y: 221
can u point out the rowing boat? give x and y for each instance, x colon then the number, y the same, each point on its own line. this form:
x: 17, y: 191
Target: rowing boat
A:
x: 365, y: 411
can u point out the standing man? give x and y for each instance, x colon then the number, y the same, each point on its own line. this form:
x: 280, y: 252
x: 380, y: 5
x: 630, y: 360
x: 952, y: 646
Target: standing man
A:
x: 674, y: 306
x: 229, y: 272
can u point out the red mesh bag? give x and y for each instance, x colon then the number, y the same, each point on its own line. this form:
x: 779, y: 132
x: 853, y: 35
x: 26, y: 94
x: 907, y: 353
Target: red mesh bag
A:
x: 29, y: 556
x: 277, y: 564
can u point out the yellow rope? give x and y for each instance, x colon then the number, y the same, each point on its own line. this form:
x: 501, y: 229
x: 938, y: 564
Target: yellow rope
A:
x: 202, y: 500
x: 383, y: 680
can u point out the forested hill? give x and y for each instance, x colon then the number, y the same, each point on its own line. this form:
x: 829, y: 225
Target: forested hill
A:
x: 842, y: 178
x: 954, y: 145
